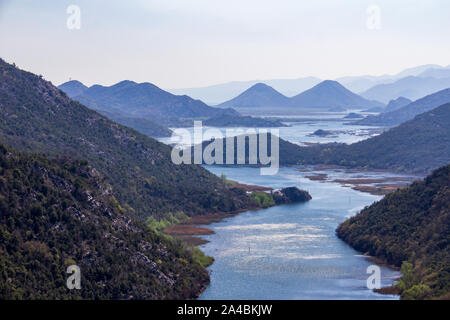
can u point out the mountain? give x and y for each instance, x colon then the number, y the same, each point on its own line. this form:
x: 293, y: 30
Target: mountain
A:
x: 397, y: 104
x: 409, y: 228
x: 409, y: 111
x: 410, y: 87
x: 61, y: 212
x: 219, y: 93
x: 73, y: 88
x: 330, y: 93
x: 131, y: 99
x: 146, y: 126
x: 259, y: 95
x: 38, y: 117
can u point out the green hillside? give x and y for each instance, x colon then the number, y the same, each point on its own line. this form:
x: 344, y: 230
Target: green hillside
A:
x: 56, y: 213
x: 409, y: 228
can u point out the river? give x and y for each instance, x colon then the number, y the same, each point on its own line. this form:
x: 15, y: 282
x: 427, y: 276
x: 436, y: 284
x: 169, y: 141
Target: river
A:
x: 292, y: 251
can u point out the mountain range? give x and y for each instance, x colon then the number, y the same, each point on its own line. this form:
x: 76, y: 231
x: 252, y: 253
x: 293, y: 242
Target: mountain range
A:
x: 409, y: 87
x: 326, y: 94
x: 219, y: 93
x: 216, y: 94
x: 131, y: 99
x: 408, y: 111
x: 149, y: 109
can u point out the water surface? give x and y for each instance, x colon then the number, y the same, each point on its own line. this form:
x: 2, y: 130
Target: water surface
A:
x: 290, y: 251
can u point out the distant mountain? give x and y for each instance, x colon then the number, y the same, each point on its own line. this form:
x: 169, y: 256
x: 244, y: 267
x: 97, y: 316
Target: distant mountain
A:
x: 133, y: 99
x: 73, y: 88
x: 362, y: 83
x: 219, y: 93
x: 330, y: 93
x: 409, y: 111
x: 146, y: 126
x: 60, y: 212
x: 397, y: 104
x: 259, y: 95
x: 216, y: 94
x: 411, y: 87
x: 38, y: 117
x: 409, y: 228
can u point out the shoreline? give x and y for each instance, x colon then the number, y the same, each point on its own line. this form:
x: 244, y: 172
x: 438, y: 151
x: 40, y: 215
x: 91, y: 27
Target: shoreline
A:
x: 378, y: 186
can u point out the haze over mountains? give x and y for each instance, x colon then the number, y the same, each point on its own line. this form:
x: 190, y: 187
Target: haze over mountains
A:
x: 219, y: 93
x: 150, y: 110
x: 326, y: 94
x: 410, y: 87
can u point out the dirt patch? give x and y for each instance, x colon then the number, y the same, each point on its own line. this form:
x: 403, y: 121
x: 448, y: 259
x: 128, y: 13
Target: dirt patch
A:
x: 247, y: 187
x: 187, y: 230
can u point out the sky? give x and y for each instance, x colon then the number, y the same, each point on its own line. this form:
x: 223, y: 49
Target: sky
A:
x: 193, y: 43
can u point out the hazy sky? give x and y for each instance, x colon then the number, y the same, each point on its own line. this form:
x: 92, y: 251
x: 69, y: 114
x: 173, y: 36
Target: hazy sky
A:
x: 190, y: 43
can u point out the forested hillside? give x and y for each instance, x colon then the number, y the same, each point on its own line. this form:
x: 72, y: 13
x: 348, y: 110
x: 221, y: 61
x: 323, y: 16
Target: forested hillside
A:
x: 35, y: 116
x: 409, y: 228
x: 56, y: 213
